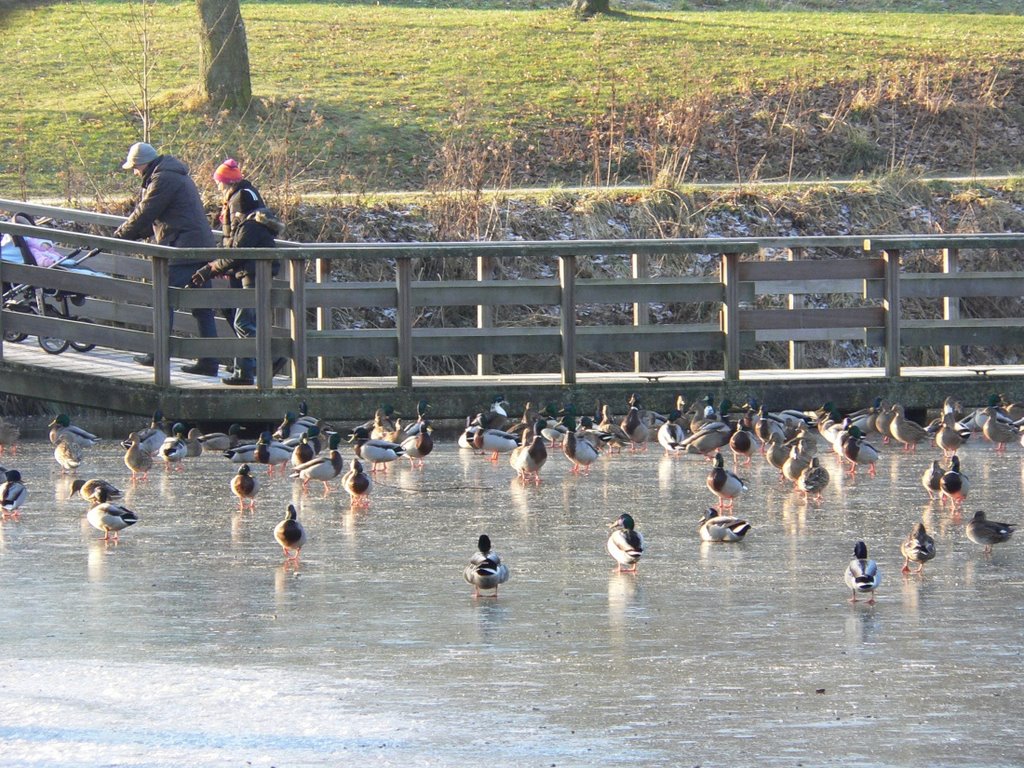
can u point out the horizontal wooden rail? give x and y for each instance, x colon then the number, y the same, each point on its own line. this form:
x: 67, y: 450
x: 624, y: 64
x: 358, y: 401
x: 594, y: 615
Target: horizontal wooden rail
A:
x: 126, y: 303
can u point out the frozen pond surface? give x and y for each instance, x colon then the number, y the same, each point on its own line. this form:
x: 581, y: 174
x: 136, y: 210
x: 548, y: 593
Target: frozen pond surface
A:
x: 189, y: 643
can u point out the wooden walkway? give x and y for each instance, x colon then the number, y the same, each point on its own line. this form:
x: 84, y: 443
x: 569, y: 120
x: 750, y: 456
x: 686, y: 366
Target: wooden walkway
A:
x: 109, y: 380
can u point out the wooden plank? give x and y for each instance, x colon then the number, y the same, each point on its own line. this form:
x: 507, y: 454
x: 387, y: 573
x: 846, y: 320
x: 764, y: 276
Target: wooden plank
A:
x: 938, y: 242
x: 797, y: 335
x: 961, y: 285
x: 796, y: 319
x: 75, y: 282
x: 837, y: 269
x: 803, y: 287
x: 970, y: 332
x: 676, y: 290
x: 350, y: 295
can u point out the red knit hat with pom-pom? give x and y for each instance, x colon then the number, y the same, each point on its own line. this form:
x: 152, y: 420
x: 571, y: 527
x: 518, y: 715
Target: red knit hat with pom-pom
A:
x: 228, y: 172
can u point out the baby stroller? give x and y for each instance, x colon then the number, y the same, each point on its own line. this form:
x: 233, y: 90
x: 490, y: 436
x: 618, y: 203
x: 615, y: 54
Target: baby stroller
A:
x: 40, y: 301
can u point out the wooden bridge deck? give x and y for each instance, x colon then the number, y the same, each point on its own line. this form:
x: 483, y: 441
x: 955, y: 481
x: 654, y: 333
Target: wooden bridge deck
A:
x: 109, y: 380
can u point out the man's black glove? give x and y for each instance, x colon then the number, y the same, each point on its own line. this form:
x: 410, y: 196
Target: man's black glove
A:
x: 200, y: 278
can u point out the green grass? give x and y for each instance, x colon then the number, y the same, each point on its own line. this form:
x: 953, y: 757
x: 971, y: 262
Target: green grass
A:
x: 358, y: 96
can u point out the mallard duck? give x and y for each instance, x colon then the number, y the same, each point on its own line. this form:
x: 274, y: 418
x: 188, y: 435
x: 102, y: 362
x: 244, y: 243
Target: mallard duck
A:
x: 999, y: 432
x: 109, y: 517
x: 151, y: 438
x: 905, y: 431
x: 862, y: 575
x: 419, y: 444
x: 718, y: 527
x: 625, y: 543
x: 554, y: 429
x: 136, y: 458
x: 671, y: 434
x: 193, y: 445
x: 245, y: 486
x: 765, y: 426
x: 796, y: 462
x: 598, y: 438
x: 986, y: 532
x: 617, y: 438
x: 859, y: 452
x: 271, y: 452
x: 954, y: 484
x: 9, y: 434
x: 496, y: 416
x: 634, y: 427
x: 485, y: 569
x: 813, y: 479
x: 68, y: 455
x: 919, y: 547
x: 61, y: 428
x: 527, y: 460
x: 931, y: 480
x: 302, y: 452
x: 466, y: 436
x: 883, y: 420
x: 709, y: 438
x: 776, y: 452
x: 742, y: 440
x: 323, y: 468
x: 13, y: 494
x: 357, y: 484
x: 290, y: 535
x: 580, y: 451
x: 495, y: 441
x: 90, y: 490
x: 289, y: 428
x: 221, y: 441
x: 726, y: 485
x: 421, y: 419
x: 379, y: 453
x: 949, y: 437
x: 174, y: 449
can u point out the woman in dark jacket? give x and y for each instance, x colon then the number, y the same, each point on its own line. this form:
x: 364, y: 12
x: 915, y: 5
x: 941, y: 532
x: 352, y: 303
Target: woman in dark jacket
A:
x: 242, y: 227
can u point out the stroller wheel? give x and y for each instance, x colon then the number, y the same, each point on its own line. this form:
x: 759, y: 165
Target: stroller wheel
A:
x: 79, y: 346
x: 53, y: 345
x: 13, y: 337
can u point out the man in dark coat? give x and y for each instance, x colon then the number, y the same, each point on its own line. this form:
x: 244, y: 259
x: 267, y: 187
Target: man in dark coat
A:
x: 243, y: 222
x: 170, y: 212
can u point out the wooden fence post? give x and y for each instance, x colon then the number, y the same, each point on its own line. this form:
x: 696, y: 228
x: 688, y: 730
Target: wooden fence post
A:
x: 161, y: 322
x: 891, y: 304
x: 297, y: 330
x: 403, y: 321
x: 485, y: 270
x: 264, y: 325
x: 951, y: 304
x: 641, y: 312
x: 730, y: 315
x: 323, y: 314
x: 796, y: 301
x: 567, y: 280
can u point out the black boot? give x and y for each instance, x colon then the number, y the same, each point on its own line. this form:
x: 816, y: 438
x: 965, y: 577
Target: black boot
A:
x: 206, y: 366
x: 144, y: 360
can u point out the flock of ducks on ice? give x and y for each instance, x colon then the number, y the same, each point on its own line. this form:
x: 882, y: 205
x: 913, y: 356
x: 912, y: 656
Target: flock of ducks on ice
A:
x: 790, y: 440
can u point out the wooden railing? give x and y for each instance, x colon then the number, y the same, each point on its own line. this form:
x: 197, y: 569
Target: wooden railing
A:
x: 758, y: 288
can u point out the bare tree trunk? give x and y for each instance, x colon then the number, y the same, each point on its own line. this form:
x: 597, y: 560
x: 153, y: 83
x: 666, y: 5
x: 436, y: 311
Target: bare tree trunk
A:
x: 224, y: 54
x: 590, y: 7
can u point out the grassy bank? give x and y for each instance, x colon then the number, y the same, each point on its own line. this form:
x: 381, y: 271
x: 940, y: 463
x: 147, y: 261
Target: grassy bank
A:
x: 420, y: 95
